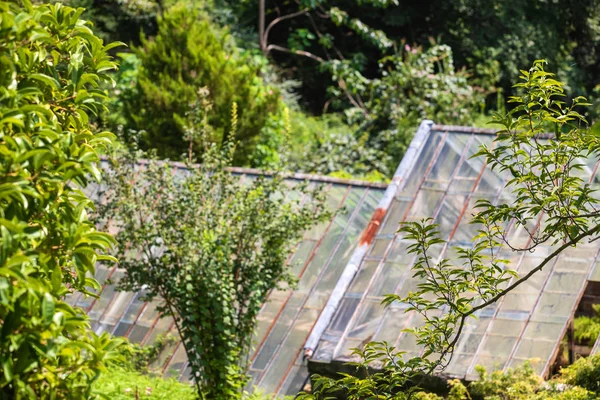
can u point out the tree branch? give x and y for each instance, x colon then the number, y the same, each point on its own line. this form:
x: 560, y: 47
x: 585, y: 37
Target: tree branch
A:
x: 297, y: 52
x: 510, y: 288
x: 265, y: 36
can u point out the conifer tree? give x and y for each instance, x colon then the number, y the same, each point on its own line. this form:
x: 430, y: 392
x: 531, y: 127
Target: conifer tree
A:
x: 186, y: 55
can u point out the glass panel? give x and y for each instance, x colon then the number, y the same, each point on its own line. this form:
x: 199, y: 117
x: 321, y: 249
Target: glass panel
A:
x: 408, y: 285
x: 461, y: 185
x: 122, y: 329
x: 491, y: 363
x: 105, y: 298
x: 449, y: 213
x: 345, y: 248
x: 581, y: 264
x: 295, y: 381
x: 301, y: 255
x: 506, y: 327
x: 399, y: 251
x: 519, y: 302
x: 425, y: 205
x: 278, y: 332
x: 133, y: 311
x: 117, y: 307
x: 327, y: 245
x: 162, y: 327
x: 569, y: 282
x: 469, y: 343
x: 149, y: 315
x: 422, y: 162
x: 270, y: 346
x: 335, y: 195
x: 554, y: 307
x: 394, y: 320
x: 363, y: 277
x: 164, y: 355
x: 498, y: 346
x: 367, y: 320
x: 343, y: 314
x: 395, y: 214
x: 543, y: 331
x: 535, y: 349
x: 268, y: 314
x: 177, y: 362
x: 490, y: 183
x: 465, y: 231
x: 448, y: 159
x: 388, y: 279
x: 288, y: 352
x: 471, y: 167
x: 138, y: 333
x: 459, y: 365
x: 408, y: 342
x: 379, y: 247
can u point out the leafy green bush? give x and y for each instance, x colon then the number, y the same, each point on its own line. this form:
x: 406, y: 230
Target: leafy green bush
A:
x: 587, y: 329
x: 188, y: 54
x: 131, y: 377
x: 119, y: 19
x: 585, y: 372
x: 204, y: 232
x: 326, y: 145
x: 415, y: 84
x: 52, y: 65
x: 523, y: 383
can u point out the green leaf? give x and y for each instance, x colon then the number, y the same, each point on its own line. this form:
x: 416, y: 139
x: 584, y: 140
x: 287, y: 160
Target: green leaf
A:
x: 48, y: 309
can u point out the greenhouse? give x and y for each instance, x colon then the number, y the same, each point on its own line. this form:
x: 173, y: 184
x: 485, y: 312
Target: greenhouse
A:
x: 346, y: 265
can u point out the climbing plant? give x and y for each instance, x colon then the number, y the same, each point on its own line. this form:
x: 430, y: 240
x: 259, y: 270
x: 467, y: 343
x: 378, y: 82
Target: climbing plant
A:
x: 52, y: 66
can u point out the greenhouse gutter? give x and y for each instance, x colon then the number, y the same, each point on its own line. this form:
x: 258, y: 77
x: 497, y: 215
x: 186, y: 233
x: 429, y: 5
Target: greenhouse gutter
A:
x: 399, y: 179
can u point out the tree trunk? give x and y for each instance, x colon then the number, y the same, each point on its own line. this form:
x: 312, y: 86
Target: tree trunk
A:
x: 261, y: 26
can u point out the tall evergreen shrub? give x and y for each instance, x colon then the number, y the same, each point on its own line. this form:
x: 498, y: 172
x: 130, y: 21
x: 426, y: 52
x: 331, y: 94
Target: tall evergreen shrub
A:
x: 189, y: 54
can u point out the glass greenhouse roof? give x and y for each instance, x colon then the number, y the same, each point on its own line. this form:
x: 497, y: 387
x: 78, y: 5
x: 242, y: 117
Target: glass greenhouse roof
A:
x: 345, y: 266
x: 285, y: 320
x: 438, y: 179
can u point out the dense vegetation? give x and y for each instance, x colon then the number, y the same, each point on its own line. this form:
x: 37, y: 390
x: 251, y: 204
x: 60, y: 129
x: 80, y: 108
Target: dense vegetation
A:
x: 52, y: 66
x: 360, y: 74
x: 335, y: 87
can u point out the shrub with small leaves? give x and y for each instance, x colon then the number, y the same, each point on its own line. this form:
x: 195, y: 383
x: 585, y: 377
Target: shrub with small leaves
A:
x: 209, y: 245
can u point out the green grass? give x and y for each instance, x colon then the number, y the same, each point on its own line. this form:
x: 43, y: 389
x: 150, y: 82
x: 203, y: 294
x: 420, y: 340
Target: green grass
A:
x: 121, y: 384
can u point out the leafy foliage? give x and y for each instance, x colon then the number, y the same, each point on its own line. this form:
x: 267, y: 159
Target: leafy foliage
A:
x: 120, y: 19
x: 584, y: 372
x: 416, y: 84
x: 335, y: 48
x: 587, y: 329
x: 492, y: 39
x: 186, y: 55
x: 522, y: 383
x: 211, y: 247
x: 123, y: 384
x: 52, y: 66
x: 544, y: 180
